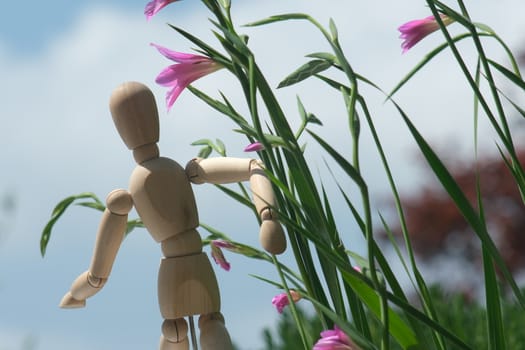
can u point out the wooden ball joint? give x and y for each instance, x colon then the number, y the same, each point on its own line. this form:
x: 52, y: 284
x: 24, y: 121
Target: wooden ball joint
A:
x: 160, y: 191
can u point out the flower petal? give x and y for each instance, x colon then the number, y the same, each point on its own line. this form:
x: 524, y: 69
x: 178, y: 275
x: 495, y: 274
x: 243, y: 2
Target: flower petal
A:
x: 179, y: 57
x: 414, y: 31
x: 218, y: 256
x: 254, y: 147
x: 155, y: 6
x: 177, y: 73
x: 223, y: 244
x: 280, y: 301
x: 335, y: 339
x: 172, y: 95
x: 178, y: 76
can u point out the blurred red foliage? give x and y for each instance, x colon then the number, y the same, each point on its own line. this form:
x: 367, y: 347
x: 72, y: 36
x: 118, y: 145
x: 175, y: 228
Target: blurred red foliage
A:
x: 436, y: 226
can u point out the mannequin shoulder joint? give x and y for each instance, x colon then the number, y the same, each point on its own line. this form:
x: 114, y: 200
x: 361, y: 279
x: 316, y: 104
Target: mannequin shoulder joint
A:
x: 119, y: 202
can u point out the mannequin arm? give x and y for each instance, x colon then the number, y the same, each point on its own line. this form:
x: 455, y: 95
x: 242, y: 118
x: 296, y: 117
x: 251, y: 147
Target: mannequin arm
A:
x: 109, y: 237
x: 223, y: 170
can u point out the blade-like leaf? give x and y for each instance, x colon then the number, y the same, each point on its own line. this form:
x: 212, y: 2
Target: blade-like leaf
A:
x: 239, y: 198
x: 424, y: 61
x: 343, y: 163
x: 333, y: 30
x: 59, y: 209
x: 202, y: 142
x: 307, y: 70
x: 326, y: 56
x: 205, y: 152
x: 343, y: 324
x: 133, y: 224
x: 509, y: 74
x: 214, y: 54
x: 277, y: 18
x: 496, y: 337
x: 220, y: 147
x: 459, y: 198
x: 92, y: 205
x: 399, y: 329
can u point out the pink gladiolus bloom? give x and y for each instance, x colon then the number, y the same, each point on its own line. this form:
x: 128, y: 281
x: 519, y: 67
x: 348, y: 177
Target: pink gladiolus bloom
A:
x: 221, y: 243
x: 254, y: 147
x: 218, y: 256
x: 155, y: 6
x: 414, y: 31
x: 178, y: 76
x: 280, y: 301
x: 335, y: 339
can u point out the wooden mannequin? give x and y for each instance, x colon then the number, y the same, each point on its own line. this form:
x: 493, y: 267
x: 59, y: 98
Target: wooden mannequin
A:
x: 160, y: 190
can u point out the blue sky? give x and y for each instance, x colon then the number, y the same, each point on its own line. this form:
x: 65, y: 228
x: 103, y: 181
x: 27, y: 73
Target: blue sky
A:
x: 30, y: 25
x: 59, y: 61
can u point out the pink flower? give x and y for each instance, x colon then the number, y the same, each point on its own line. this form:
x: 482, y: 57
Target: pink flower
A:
x: 414, y: 31
x: 335, y: 339
x: 218, y: 256
x: 254, y: 147
x: 280, y: 301
x: 155, y: 6
x: 178, y: 76
x: 221, y: 243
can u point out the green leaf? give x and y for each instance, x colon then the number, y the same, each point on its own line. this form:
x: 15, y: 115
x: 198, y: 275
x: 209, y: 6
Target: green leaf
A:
x: 509, y: 74
x: 333, y: 30
x: 274, y: 140
x: 343, y: 324
x: 238, y: 197
x: 92, y: 205
x: 495, y: 327
x: 273, y: 283
x: 133, y: 224
x: 59, y: 209
x: 204, y: 152
x: 208, y: 50
x: 221, y: 148
x: 226, y: 4
x: 202, y: 142
x: 360, y: 260
x: 436, y: 326
x: 278, y: 18
x: 484, y: 27
x: 456, y: 16
x: 518, y: 108
x: 234, y: 41
x: 311, y: 118
x: 225, y: 108
x: 324, y: 56
x: 399, y: 329
x: 305, y: 71
x: 461, y: 201
x: 428, y: 57
x: 302, y: 110
x: 343, y: 163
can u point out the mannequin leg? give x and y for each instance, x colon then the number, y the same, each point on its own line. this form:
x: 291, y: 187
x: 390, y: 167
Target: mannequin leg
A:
x: 174, y: 335
x: 213, y: 333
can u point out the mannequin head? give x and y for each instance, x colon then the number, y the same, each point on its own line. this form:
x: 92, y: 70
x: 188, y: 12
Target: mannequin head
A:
x: 136, y: 117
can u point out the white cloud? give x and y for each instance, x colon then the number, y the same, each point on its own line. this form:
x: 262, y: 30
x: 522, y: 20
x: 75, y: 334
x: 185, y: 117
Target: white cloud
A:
x: 58, y: 139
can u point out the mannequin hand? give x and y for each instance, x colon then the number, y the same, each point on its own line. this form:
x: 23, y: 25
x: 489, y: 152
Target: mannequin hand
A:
x: 82, y: 288
x: 68, y: 302
x: 272, y: 237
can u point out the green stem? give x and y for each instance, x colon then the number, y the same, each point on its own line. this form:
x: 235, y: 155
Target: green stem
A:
x: 306, y: 343
x: 352, y: 115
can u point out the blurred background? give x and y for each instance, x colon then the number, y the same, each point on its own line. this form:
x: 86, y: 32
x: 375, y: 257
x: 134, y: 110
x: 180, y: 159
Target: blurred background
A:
x: 59, y: 62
